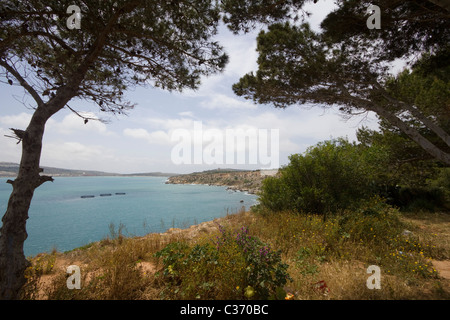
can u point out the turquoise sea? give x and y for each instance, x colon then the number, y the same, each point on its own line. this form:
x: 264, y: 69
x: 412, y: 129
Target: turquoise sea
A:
x: 60, y: 218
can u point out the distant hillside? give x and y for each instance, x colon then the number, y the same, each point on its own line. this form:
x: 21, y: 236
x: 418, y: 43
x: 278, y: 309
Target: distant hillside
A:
x: 149, y: 174
x: 249, y: 181
x: 8, y: 169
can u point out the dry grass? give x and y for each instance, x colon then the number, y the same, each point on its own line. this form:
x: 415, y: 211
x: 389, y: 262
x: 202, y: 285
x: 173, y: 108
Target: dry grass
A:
x: 433, y: 230
x: 318, y: 252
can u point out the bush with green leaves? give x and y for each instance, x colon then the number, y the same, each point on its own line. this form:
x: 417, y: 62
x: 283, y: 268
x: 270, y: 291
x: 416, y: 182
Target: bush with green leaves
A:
x: 328, y: 177
x: 441, y: 183
x: 373, y: 222
x: 234, y: 265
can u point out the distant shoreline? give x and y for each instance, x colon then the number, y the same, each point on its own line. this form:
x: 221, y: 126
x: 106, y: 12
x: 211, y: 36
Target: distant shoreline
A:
x: 86, y: 176
x: 237, y: 180
x: 10, y: 170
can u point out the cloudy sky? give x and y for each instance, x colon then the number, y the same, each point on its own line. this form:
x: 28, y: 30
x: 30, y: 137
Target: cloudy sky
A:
x: 145, y: 140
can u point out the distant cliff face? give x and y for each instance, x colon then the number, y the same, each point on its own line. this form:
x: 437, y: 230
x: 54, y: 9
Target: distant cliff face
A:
x: 249, y: 181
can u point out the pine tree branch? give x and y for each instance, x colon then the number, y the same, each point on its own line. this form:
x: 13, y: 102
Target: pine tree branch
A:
x: 22, y: 82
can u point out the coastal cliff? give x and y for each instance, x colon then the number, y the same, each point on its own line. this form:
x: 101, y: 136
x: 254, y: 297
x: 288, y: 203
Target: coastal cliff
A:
x: 248, y: 181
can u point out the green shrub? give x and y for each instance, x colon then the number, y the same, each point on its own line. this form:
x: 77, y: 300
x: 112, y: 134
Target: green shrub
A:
x: 374, y: 222
x: 235, y: 265
x: 331, y: 176
x: 442, y: 183
x: 430, y: 198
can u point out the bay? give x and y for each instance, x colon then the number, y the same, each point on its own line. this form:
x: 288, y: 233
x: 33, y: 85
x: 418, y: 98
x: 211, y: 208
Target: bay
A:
x: 59, y: 218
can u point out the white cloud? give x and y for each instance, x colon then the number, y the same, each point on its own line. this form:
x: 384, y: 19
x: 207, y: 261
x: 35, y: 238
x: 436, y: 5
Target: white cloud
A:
x: 189, y: 114
x: 319, y: 11
x: 66, y: 151
x: 73, y: 124
x: 170, y: 123
x: 241, y: 50
x: 221, y: 101
x: 18, y: 121
x: 75, y: 155
x: 300, y: 128
x: 10, y: 150
x: 156, y: 137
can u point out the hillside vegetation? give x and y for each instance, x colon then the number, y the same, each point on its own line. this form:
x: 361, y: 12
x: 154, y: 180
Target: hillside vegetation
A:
x: 308, y: 258
x: 322, y: 221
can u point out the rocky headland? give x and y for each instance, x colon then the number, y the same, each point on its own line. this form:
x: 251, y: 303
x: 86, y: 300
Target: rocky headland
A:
x: 246, y: 181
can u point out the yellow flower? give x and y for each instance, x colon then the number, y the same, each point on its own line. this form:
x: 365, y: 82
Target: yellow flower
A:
x: 289, y: 296
x: 249, y: 292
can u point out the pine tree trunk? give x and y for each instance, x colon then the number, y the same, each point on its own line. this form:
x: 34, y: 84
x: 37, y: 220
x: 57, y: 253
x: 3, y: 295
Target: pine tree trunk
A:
x: 413, y: 134
x: 13, y: 231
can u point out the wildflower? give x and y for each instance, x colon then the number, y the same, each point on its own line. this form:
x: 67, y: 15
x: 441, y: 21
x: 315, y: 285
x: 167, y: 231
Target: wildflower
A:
x: 289, y: 296
x: 321, y: 286
x: 249, y: 292
x: 170, y: 269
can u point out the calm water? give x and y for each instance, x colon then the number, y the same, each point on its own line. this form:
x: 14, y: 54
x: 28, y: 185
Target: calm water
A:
x: 59, y: 218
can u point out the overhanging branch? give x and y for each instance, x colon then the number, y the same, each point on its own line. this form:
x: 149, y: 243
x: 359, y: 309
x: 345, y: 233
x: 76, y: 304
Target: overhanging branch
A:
x: 23, y: 82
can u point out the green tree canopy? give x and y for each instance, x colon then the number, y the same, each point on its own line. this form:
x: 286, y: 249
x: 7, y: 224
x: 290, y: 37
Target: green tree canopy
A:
x: 166, y: 44
x: 348, y: 65
x: 116, y: 45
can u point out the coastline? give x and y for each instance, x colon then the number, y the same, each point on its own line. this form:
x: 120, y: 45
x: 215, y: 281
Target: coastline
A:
x: 243, y: 181
x: 186, y: 210
x: 228, y: 187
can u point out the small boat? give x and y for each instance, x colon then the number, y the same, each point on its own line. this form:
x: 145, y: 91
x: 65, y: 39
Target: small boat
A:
x: 88, y: 196
x: 105, y: 195
x: 120, y: 193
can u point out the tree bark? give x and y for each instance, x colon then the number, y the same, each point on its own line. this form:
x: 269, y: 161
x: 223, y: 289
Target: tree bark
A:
x: 416, y: 113
x: 428, y: 123
x: 13, y: 231
x: 413, y: 134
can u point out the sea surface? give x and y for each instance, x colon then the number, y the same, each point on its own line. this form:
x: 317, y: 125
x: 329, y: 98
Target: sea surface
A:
x: 60, y: 219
